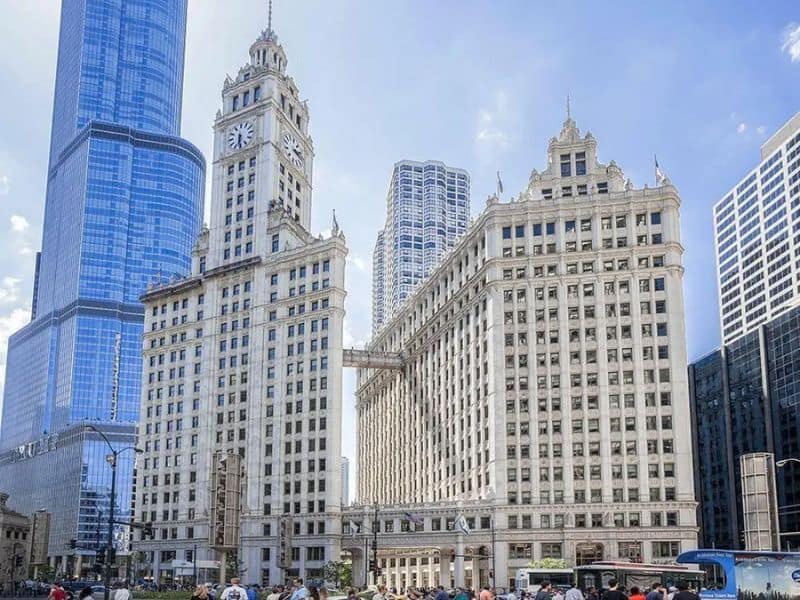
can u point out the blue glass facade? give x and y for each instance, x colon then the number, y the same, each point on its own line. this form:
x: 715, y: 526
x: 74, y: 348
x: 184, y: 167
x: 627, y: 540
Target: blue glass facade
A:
x: 745, y: 398
x: 124, y: 206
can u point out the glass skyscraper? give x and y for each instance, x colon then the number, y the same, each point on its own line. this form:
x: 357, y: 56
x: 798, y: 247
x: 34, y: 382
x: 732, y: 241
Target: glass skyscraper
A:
x: 427, y: 208
x: 745, y: 397
x: 123, y: 208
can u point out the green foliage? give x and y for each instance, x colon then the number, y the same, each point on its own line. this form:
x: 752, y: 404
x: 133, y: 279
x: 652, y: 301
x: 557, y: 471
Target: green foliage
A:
x: 46, y: 573
x: 170, y: 595
x: 548, y: 563
x: 338, y: 572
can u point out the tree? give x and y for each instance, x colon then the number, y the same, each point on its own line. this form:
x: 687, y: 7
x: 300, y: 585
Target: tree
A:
x: 548, y: 563
x: 339, y: 573
x: 46, y: 573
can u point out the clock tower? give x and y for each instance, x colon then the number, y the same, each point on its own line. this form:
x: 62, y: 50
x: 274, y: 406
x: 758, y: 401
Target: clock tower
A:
x: 263, y: 155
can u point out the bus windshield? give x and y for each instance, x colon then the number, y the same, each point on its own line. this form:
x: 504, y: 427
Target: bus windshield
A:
x: 748, y: 575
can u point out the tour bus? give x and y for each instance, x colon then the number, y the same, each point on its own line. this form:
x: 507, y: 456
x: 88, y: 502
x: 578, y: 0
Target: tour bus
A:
x: 744, y: 575
x: 598, y: 574
x: 531, y: 579
x: 629, y: 574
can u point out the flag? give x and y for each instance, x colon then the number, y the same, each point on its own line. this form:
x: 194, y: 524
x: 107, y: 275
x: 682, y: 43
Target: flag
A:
x: 461, y: 525
x: 660, y: 177
x: 499, y: 184
x: 354, y: 528
x: 413, y: 519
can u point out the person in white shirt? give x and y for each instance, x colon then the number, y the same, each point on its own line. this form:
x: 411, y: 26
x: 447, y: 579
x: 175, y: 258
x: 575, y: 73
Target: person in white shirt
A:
x: 300, y: 590
x: 123, y: 593
x: 234, y: 591
x: 574, y: 593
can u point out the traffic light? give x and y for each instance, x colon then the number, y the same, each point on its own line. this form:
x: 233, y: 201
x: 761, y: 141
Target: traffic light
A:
x: 373, y: 566
x: 72, y: 544
x: 112, y: 556
x: 147, y: 530
x: 100, y: 556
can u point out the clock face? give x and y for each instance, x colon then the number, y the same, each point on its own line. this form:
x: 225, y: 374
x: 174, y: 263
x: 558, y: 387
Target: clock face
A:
x: 293, y: 149
x: 240, y: 135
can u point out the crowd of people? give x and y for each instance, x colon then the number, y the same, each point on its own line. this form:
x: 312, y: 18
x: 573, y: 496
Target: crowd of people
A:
x: 299, y: 591
x: 546, y: 591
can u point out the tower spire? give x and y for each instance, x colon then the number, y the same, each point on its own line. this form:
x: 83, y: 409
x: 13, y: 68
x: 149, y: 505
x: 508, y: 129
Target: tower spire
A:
x: 569, y: 112
x: 269, y: 15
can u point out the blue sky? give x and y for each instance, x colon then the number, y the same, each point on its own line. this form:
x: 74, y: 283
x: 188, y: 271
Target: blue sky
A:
x: 478, y: 85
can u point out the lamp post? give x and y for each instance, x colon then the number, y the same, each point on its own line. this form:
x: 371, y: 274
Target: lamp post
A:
x: 111, y: 459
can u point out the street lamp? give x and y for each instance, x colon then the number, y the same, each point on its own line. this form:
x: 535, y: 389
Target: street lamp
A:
x: 779, y: 464
x: 111, y: 459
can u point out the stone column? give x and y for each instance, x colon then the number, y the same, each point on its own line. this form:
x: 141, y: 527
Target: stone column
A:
x: 444, y: 567
x: 459, y: 563
x: 501, y: 565
x: 476, y: 574
x: 358, y: 569
x: 156, y: 567
x: 78, y: 565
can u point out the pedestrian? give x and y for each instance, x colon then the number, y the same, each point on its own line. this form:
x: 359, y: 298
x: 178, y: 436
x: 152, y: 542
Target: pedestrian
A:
x: 351, y: 595
x: 671, y: 592
x: 234, y: 591
x: 200, y: 593
x: 636, y: 593
x: 574, y: 593
x: 557, y: 595
x: 252, y: 594
x: 591, y: 593
x: 313, y: 593
x: 544, y: 592
x: 612, y: 593
x: 122, y: 593
x: 85, y: 593
x: 380, y: 594
x: 684, y: 593
x: 486, y: 594
x: 57, y: 592
x: 655, y: 592
x: 441, y: 594
x: 300, y: 590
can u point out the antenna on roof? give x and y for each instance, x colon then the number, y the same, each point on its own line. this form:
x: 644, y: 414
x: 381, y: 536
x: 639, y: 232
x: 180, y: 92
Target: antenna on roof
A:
x: 569, y: 113
x: 269, y: 15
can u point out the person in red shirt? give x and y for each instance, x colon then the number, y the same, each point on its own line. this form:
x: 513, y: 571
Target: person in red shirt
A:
x: 636, y: 594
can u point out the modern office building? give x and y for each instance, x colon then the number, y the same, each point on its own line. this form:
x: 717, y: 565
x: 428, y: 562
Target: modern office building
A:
x: 124, y: 206
x: 427, y: 209
x: 243, y: 358
x: 746, y: 398
x: 757, y: 231
x: 543, y: 395
x: 345, y: 481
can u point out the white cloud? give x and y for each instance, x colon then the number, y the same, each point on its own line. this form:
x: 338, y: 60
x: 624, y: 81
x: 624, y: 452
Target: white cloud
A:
x: 761, y: 130
x: 5, y: 184
x: 791, y: 41
x: 25, y: 251
x: 490, y: 130
x: 19, y: 223
x: 358, y: 262
x: 9, y: 323
x: 9, y: 290
x: 741, y: 128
